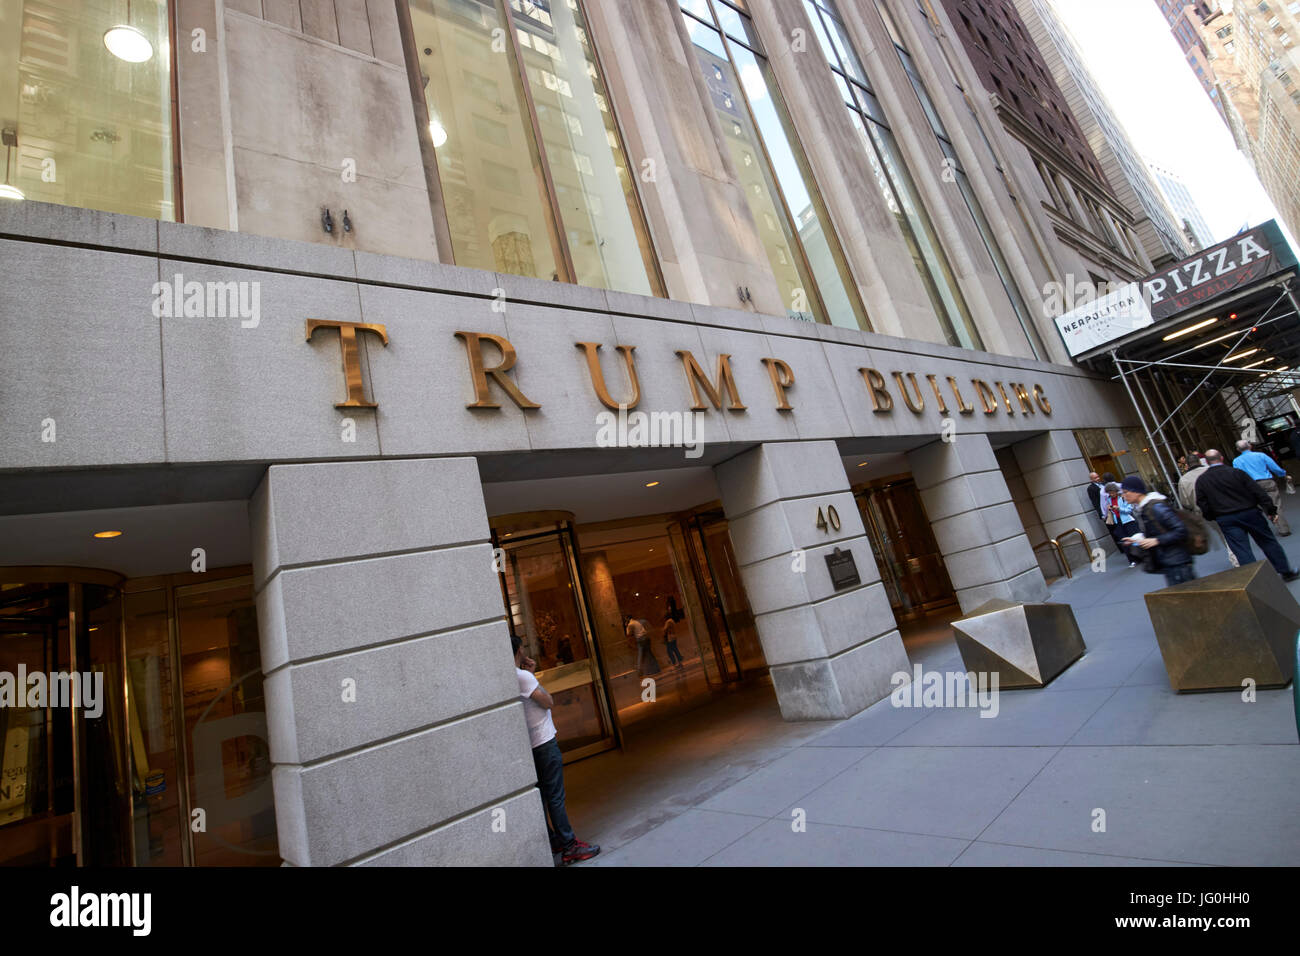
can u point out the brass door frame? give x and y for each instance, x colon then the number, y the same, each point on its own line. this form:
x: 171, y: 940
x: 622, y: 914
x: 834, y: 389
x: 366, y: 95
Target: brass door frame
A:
x: 726, y: 657
x: 565, y: 536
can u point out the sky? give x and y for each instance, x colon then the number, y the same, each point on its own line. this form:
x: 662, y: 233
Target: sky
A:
x: 1140, y: 68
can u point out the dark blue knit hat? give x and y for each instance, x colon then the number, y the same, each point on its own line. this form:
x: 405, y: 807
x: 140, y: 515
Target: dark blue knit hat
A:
x: 1133, y: 483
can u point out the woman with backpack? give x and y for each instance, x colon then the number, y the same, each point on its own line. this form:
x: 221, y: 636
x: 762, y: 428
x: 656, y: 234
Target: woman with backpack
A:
x: 1164, y: 543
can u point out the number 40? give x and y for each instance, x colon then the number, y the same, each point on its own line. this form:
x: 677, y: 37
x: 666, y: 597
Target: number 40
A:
x: 830, y: 515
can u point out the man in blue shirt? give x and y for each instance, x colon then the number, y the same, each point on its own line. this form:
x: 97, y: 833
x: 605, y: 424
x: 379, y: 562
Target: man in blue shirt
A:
x: 1266, y: 473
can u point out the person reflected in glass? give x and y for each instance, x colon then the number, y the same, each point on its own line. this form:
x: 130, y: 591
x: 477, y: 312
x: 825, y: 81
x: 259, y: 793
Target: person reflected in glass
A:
x: 671, y: 616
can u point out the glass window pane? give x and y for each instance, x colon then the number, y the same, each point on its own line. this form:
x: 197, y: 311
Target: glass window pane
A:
x: 698, y: 7
x: 593, y: 186
x: 819, y: 31
x: 774, y: 228
x: 155, y: 766
x: 496, y: 208
x: 706, y: 37
x: 951, y: 308
x: 844, y: 48
x: 733, y: 24
x: 225, y: 722
x: 93, y: 129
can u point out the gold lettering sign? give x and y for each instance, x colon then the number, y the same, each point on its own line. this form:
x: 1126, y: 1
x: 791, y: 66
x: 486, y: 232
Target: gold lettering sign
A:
x: 351, y: 356
x: 696, y: 379
x: 986, y: 396
x: 1006, y: 401
x: 598, y: 377
x: 881, y: 400
x: 961, y: 402
x: 782, y: 378
x: 1026, y: 406
x: 917, y: 405
x: 1042, y: 400
x: 479, y: 372
x: 938, y: 395
x: 722, y: 388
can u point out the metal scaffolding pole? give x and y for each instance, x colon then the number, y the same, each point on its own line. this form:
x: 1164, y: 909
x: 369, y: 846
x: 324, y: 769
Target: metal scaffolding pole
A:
x: 1173, y: 485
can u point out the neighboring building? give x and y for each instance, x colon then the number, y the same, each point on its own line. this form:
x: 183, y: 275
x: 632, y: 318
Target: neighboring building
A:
x: 1185, y: 19
x: 1161, y: 235
x: 1184, y: 207
x: 342, y: 341
x: 1082, y: 207
x: 1253, y: 50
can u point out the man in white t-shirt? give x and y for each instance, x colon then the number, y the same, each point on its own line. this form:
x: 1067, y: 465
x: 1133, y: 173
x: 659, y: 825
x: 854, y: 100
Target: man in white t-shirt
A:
x: 547, y: 759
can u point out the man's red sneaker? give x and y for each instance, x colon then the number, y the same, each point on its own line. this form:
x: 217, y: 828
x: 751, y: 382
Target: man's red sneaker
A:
x: 577, y: 851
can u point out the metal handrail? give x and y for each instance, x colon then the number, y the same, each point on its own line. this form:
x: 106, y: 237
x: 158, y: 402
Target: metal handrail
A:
x: 1083, y: 538
x: 1060, y: 555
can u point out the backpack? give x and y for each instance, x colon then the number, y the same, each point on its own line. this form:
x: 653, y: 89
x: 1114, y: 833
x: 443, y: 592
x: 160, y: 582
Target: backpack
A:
x: 1198, y: 532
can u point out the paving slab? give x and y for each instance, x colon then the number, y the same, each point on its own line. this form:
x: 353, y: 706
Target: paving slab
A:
x: 776, y: 843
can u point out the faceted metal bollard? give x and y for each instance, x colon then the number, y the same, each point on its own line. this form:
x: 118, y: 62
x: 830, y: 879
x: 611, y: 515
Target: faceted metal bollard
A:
x: 1026, y: 644
x: 1217, y: 631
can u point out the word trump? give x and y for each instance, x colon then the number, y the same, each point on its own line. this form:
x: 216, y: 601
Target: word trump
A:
x: 490, y: 379
x: 57, y: 689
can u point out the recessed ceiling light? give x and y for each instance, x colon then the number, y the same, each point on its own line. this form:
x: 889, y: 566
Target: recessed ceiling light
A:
x: 651, y: 484
x: 107, y: 534
x: 862, y: 464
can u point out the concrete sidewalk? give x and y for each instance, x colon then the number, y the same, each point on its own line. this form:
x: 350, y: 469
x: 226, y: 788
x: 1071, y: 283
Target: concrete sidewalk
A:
x: 1203, y: 779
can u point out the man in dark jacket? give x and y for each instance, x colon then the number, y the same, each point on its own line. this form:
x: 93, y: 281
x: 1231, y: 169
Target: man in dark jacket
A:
x: 1229, y: 497
x: 1162, y: 545
x: 1095, y: 487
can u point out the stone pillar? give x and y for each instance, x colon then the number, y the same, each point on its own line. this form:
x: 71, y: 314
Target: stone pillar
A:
x: 830, y: 653
x: 396, y: 731
x: 975, y: 522
x: 1056, y: 475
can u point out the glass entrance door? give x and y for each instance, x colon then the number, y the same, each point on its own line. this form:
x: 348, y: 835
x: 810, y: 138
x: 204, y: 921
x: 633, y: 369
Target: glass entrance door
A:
x: 546, y: 609
x: 64, y: 782
x: 911, y: 567
x: 737, y: 651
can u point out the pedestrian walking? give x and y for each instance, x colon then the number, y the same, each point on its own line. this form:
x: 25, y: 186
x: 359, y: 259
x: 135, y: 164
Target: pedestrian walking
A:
x: 1268, y: 474
x: 1162, y: 543
x: 547, y: 760
x: 1228, y: 496
x: 1187, y: 497
x: 1119, y: 517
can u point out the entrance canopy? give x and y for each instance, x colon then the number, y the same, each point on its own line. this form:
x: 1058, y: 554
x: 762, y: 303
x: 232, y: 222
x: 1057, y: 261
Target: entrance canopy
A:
x: 1226, y: 318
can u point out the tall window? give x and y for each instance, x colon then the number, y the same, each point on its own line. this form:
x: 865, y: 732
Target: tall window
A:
x: 963, y: 184
x: 534, y: 175
x: 85, y: 105
x: 892, y: 176
x: 792, y: 222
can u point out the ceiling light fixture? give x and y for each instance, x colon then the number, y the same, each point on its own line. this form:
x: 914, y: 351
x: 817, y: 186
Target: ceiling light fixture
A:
x: 1241, y: 355
x: 1191, y: 328
x: 1260, y: 362
x: 1219, y: 339
x: 651, y: 484
x: 108, y: 534
x: 127, y: 42
x: 438, y: 132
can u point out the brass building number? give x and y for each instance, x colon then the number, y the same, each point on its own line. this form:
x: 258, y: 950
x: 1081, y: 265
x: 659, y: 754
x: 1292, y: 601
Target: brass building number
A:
x: 829, y: 519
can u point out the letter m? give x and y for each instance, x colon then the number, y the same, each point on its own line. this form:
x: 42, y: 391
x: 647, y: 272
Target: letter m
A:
x: 696, y: 379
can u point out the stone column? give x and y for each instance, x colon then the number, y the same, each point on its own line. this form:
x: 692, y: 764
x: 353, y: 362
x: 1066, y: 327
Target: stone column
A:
x: 975, y: 522
x: 830, y: 653
x: 397, y: 735
x: 1056, y: 475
